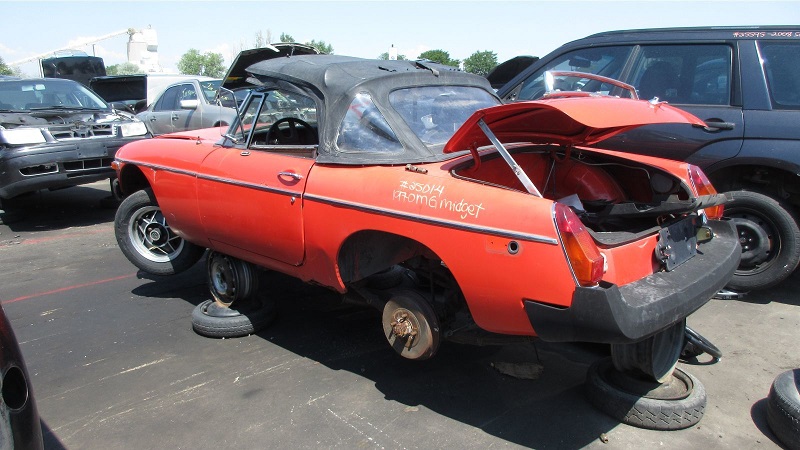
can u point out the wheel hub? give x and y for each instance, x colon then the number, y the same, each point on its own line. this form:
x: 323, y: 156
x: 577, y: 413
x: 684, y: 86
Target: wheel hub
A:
x: 754, y: 240
x: 403, y: 326
x: 156, y: 234
x: 222, y: 279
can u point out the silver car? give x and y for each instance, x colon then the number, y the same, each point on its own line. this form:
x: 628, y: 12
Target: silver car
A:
x: 188, y: 105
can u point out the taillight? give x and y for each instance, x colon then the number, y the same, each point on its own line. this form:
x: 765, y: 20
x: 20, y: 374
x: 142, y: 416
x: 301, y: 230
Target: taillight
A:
x: 703, y: 187
x: 583, y: 254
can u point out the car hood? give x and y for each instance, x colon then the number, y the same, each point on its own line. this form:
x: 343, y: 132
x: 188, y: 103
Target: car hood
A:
x: 236, y: 77
x: 48, y: 118
x: 571, y: 121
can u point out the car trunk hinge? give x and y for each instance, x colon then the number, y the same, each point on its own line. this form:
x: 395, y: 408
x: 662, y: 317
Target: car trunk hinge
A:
x: 520, y: 174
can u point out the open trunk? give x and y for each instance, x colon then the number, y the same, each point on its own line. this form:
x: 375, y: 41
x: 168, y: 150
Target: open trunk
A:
x: 618, y: 200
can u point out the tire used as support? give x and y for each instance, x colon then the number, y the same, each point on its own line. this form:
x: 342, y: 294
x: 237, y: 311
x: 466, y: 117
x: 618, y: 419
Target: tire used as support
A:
x: 676, y: 404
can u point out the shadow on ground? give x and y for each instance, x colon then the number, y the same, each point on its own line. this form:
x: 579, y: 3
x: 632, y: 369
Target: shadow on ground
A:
x: 54, y: 210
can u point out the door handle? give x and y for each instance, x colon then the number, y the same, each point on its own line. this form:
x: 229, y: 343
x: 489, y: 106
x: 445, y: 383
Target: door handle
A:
x: 152, y: 119
x: 294, y: 175
x: 713, y: 125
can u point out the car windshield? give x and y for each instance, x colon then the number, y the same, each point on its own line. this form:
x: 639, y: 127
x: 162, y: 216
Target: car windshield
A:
x: 32, y: 95
x: 210, y: 89
x: 434, y: 113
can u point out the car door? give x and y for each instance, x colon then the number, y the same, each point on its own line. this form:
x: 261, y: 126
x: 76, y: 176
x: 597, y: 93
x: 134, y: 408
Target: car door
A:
x: 185, y: 114
x: 251, y: 193
x: 159, y: 120
x: 698, y: 78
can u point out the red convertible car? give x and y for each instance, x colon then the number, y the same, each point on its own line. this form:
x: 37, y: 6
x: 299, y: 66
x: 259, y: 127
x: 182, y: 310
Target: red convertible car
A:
x: 411, y: 188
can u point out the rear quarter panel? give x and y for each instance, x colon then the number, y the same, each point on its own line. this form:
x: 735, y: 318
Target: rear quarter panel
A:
x: 466, y: 224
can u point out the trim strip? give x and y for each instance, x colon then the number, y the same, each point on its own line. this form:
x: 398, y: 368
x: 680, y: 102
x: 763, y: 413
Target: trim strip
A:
x: 364, y: 208
x: 431, y: 220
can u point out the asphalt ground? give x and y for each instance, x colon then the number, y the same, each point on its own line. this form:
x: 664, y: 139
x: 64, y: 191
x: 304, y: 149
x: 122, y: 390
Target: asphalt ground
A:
x: 115, y: 364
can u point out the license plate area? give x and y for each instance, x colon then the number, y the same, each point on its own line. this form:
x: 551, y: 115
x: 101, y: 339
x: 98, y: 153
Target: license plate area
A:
x: 677, y: 243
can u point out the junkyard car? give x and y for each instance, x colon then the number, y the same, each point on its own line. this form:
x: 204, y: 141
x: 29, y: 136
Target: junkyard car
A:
x: 57, y: 133
x: 745, y: 85
x: 341, y: 170
x: 188, y: 105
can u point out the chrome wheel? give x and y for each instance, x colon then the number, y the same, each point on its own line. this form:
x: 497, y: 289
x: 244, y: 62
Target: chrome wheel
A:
x: 152, y: 237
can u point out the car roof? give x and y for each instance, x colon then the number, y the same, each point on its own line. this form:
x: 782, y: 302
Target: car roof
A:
x: 334, y: 81
x: 334, y: 74
x: 690, y: 33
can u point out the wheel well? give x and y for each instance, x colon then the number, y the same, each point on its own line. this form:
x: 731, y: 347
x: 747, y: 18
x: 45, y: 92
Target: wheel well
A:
x: 367, y: 252
x: 221, y: 124
x: 131, y: 179
x: 771, y: 181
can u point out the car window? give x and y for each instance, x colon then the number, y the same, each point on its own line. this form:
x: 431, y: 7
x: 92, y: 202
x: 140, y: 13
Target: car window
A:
x: 782, y: 66
x: 187, y: 92
x: 605, y: 61
x: 209, y: 90
x: 364, y: 129
x: 686, y: 74
x: 279, y: 118
x: 168, y: 100
x: 434, y: 113
x: 38, y: 94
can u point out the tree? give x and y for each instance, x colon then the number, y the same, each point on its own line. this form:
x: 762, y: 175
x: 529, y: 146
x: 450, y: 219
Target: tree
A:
x: 439, y: 56
x: 321, y: 46
x: 385, y: 55
x: 481, y: 63
x: 4, y: 69
x: 126, y: 68
x: 286, y: 38
x: 208, y: 64
x: 261, y: 40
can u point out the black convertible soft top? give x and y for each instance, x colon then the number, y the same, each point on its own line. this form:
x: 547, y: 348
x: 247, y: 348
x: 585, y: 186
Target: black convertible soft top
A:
x: 333, y: 81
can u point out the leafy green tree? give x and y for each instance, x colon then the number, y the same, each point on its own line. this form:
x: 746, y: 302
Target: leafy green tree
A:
x: 439, y: 56
x: 385, y: 55
x: 126, y: 68
x: 4, y: 69
x: 321, y: 46
x: 286, y: 38
x: 208, y: 64
x: 481, y: 63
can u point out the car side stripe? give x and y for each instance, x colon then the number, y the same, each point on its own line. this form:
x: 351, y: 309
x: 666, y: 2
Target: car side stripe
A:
x: 364, y: 208
x: 431, y: 220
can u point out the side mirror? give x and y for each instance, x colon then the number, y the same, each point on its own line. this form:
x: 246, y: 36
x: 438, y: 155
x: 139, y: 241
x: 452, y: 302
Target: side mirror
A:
x: 189, y: 104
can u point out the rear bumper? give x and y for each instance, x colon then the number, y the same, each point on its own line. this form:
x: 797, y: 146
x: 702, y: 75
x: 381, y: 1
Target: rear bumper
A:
x: 620, y: 314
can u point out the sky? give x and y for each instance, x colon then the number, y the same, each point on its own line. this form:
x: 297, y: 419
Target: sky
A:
x: 354, y: 28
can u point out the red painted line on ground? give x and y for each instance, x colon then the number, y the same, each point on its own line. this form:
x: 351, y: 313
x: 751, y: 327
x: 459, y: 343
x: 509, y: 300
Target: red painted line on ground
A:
x: 68, y: 288
x: 24, y: 241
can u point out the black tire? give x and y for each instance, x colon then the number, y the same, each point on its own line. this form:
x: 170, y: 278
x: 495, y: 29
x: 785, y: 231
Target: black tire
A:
x: 212, y: 320
x: 146, y: 239
x: 696, y: 344
x: 654, y: 357
x: 410, y: 325
x: 770, y: 240
x: 677, y: 404
x: 783, y: 408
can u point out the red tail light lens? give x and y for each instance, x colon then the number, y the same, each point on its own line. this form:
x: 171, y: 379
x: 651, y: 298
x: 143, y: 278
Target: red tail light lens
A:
x: 583, y: 254
x: 703, y: 187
